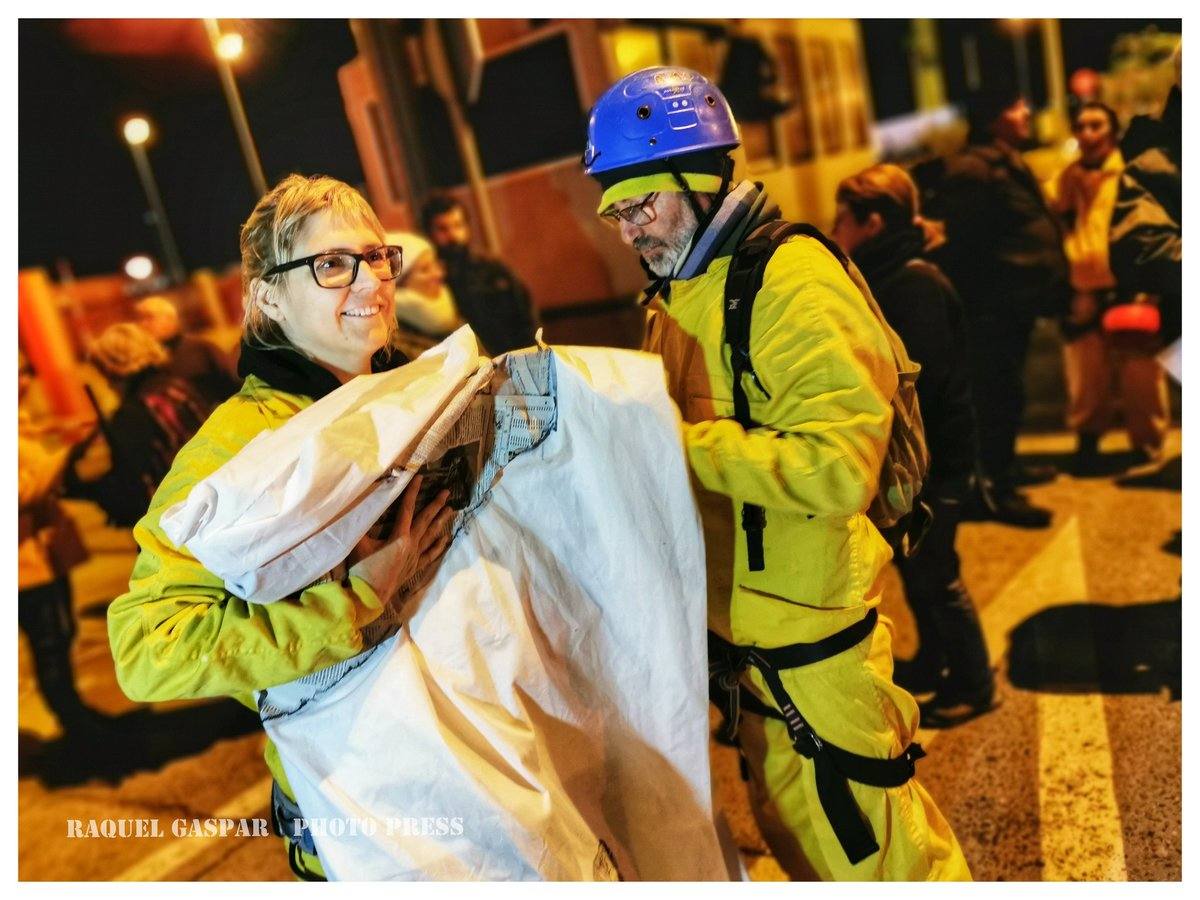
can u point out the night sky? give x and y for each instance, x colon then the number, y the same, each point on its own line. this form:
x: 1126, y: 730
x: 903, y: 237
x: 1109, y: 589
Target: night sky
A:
x: 78, y: 190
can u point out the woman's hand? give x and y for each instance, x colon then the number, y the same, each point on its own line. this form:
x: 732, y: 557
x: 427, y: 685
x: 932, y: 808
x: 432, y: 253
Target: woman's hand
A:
x: 416, y: 542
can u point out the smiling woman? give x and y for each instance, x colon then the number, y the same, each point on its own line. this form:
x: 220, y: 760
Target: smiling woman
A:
x: 303, y: 283
x: 317, y: 289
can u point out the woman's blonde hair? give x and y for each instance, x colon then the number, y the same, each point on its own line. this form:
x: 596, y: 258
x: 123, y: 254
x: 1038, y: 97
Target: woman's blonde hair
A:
x: 126, y: 349
x: 268, y: 238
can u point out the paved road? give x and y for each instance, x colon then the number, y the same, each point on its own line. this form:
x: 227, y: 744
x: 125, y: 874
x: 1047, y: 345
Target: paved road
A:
x: 1075, y: 776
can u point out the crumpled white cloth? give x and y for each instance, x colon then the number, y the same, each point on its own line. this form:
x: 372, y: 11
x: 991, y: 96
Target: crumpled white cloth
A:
x: 294, y: 501
x: 539, y: 710
x: 545, y: 703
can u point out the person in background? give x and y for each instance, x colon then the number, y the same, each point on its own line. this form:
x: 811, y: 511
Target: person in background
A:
x: 48, y: 547
x: 489, y: 296
x: 159, y: 413
x: 1146, y: 232
x: 879, y: 226
x: 1084, y: 195
x: 425, y: 309
x: 192, y: 358
x: 1003, y: 254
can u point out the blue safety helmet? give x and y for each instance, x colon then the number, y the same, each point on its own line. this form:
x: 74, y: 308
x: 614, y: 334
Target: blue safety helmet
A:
x: 654, y: 114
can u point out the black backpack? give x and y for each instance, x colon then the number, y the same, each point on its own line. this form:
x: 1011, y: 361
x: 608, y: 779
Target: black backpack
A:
x: 906, y: 462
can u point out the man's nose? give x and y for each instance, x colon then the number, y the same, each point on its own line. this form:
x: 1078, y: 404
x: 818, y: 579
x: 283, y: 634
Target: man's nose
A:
x: 630, y: 232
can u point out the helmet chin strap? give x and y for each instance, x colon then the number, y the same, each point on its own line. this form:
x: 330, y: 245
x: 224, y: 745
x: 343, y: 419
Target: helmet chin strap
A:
x: 703, y: 218
x: 661, y: 284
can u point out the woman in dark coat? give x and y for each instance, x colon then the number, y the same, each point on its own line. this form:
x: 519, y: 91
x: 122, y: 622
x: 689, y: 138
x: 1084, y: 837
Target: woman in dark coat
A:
x: 878, y: 226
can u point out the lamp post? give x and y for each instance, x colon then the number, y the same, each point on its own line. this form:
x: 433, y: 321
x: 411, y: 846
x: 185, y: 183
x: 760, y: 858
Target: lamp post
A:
x: 136, y: 130
x: 226, y: 48
x: 1017, y: 28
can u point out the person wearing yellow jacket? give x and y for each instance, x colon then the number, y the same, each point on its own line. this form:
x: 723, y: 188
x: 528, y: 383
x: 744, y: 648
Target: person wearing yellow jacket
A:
x: 1084, y: 194
x: 800, y: 621
x: 316, y: 277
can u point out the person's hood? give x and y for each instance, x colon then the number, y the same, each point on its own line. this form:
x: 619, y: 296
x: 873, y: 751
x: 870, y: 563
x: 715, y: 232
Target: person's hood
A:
x: 413, y: 246
x: 288, y: 370
x: 433, y: 316
x: 886, y: 252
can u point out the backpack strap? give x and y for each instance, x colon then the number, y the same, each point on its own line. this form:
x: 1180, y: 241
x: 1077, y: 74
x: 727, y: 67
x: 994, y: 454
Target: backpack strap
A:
x: 742, y: 284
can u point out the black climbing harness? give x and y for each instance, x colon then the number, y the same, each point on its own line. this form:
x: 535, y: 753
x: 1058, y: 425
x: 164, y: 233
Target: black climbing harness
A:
x: 834, y: 767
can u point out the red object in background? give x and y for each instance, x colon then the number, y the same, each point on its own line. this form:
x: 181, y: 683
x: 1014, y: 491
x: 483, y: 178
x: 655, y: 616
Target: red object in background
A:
x: 140, y: 37
x: 1085, y: 83
x: 1142, y: 318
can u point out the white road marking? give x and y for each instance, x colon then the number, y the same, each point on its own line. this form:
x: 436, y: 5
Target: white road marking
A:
x: 159, y: 864
x: 1081, y: 834
x: 1080, y: 819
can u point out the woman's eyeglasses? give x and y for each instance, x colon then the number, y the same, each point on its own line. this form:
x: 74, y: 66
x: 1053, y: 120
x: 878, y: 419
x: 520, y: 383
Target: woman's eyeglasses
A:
x: 636, y: 214
x: 339, y: 269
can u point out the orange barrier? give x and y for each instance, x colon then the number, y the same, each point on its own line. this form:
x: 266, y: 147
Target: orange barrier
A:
x: 47, y: 343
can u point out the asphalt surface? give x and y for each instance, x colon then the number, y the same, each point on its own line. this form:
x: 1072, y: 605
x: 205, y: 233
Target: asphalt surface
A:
x: 1076, y: 776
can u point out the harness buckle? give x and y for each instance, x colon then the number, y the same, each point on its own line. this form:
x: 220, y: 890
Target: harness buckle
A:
x: 806, y: 743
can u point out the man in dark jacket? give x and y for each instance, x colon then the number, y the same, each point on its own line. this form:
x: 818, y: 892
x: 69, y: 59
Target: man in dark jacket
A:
x: 1146, y: 237
x: 488, y: 295
x: 1003, y: 253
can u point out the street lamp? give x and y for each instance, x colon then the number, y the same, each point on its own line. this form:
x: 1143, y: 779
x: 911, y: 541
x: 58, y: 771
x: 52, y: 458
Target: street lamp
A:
x: 1017, y: 29
x: 137, y: 131
x: 139, y: 267
x: 228, y: 47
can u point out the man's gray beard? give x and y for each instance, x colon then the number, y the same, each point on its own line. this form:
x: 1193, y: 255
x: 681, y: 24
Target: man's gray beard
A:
x: 677, y: 244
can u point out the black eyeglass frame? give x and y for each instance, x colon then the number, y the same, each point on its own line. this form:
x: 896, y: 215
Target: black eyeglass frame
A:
x: 614, y: 216
x: 311, y: 262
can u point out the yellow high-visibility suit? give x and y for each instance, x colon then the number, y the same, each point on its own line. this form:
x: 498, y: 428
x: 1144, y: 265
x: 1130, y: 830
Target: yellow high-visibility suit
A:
x: 827, y: 374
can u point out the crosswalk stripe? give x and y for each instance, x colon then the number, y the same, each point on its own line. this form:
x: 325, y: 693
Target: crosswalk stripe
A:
x: 155, y: 867
x: 1081, y: 835
x: 1080, y: 819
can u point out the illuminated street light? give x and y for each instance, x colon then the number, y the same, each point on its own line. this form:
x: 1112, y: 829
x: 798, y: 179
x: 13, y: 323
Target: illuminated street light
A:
x: 137, y: 130
x: 139, y: 267
x: 222, y: 45
x: 229, y: 46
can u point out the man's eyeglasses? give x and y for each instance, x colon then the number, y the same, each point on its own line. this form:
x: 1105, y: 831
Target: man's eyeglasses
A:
x: 339, y: 269
x: 636, y: 214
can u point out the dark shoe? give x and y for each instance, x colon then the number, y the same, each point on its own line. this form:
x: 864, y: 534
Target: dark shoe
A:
x: 1011, y: 508
x: 947, y: 710
x: 1025, y: 474
x: 1015, y: 509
